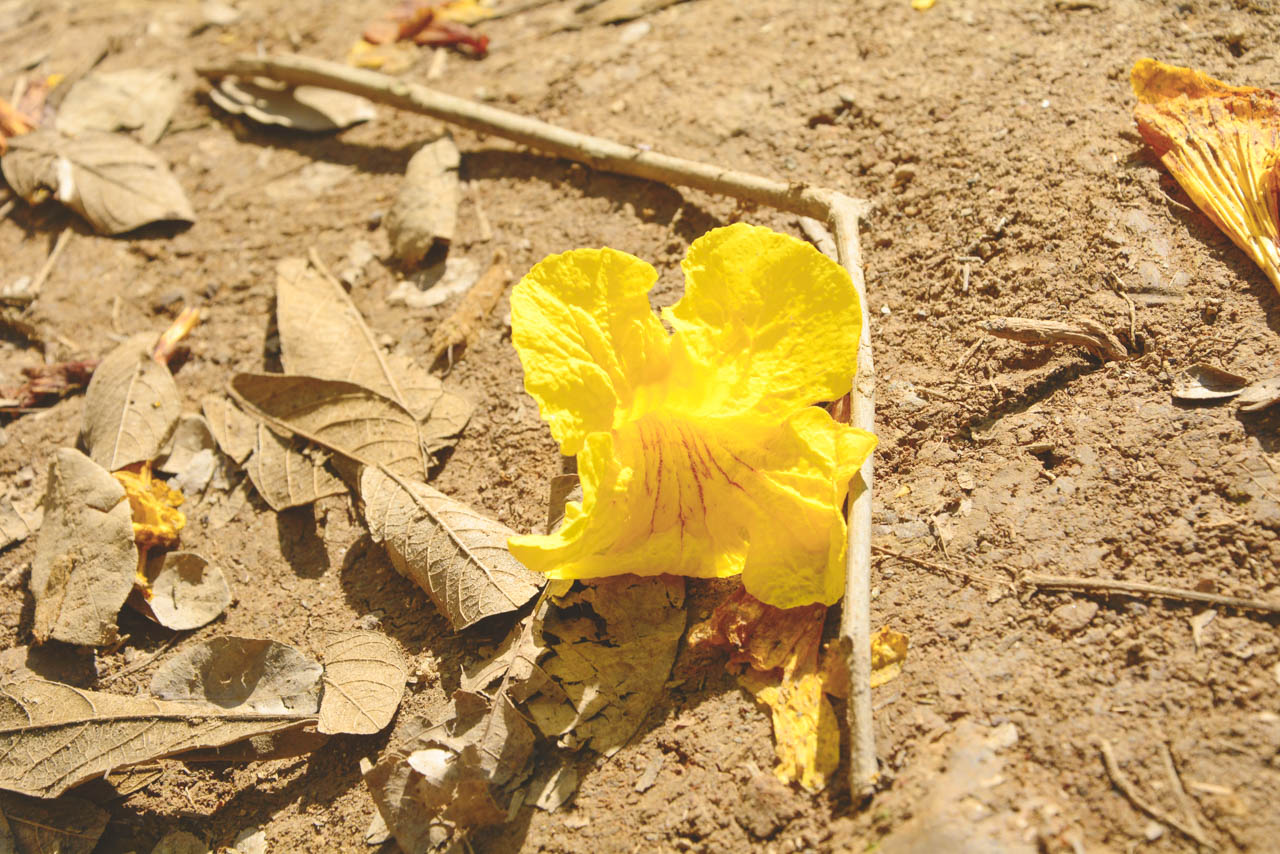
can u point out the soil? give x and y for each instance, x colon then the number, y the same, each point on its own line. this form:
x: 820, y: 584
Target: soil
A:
x: 995, y: 143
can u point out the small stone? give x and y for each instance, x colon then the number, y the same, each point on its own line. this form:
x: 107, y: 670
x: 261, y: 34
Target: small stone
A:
x: 884, y: 167
x: 904, y: 174
x: 633, y: 32
x: 1153, y: 831
x: 1074, y: 616
x: 251, y: 840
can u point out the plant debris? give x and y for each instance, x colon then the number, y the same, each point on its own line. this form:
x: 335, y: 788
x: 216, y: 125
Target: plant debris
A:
x: 136, y: 99
x: 251, y: 675
x: 67, y: 825
x: 183, y: 591
x: 431, y: 24
x: 364, y: 681
x: 131, y: 406
x: 455, y: 332
x: 46, y: 384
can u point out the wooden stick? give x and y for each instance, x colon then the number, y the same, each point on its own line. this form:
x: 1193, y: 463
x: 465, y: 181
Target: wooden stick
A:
x: 1127, y: 789
x: 840, y: 211
x: 1087, y: 333
x: 940, y: 567
x: 1139, y: 588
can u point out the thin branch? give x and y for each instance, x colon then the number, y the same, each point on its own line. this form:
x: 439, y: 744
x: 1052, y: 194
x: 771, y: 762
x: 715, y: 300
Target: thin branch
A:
x: 1129, y: 791
x: 840, y: 211
x: 1180, y: 794
x: 33, y: 290
x: 1139, y: 588
x: 941, y: 568
x: 1087, y: 333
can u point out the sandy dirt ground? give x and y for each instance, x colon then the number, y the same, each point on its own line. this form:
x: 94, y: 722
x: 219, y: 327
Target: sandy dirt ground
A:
x: 995, y: 143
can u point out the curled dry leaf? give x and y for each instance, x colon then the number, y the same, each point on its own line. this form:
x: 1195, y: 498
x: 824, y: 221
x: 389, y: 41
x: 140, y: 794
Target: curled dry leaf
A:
x: 456, y: 555
x: 442, y: 781
x: 235, y: 432
x: 67, y: 825
x: 131, y: 406
x: 112, y: 181
x: 1258, y: 396
x: 1205, y: 382
x: 364, y: 679
x: 345, y: 418
x: 141, y: 99
x: 183, y: 591
x: 322, y: 334
x: 85, y: 558
x: 53, y: 736
x: 247, y: 674
x: 305, y: 108
x: 456, y: 331
x: 426, y: 209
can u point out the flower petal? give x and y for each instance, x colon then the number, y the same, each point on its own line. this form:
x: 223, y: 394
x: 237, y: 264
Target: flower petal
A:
x: 1222, y: 144
x: 712, y: 498
x: 587, y: 338
x: 766, y: 323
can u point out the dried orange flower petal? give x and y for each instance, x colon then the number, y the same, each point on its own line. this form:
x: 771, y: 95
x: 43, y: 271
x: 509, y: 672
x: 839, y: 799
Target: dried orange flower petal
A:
x: 1222, y: 144
x: 156, y: 517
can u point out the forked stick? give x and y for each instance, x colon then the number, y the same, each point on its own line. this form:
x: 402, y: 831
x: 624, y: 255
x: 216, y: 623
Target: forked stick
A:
x: 840, y: 211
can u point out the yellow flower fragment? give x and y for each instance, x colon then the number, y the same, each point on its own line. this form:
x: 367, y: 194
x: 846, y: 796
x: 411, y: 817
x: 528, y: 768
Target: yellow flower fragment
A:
x: 701, y: 452
x: 156, y: 517
x: 1222, y: 144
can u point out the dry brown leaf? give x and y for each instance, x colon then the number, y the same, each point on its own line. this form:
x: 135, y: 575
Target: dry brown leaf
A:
x: 184, y: 591
x: 322, y: 334
x: 282, y: 744
x: 112, y: 181
x: 16, y: 525
x: 442, y: 781
x: 141, y: 99
x: 426, y: 209
x: 235, y: 432
x: 456, y: 331
x: 305, y: 108
x: 345, y: 418
x: 1205, y: 382
x: 1259, y: 395
x: 85, y: 558
x: 53, y: 736
x: 131, y: 406
x: 605, y: 672
x: 456, y: 555
x: 364, y: 679
x: 67, y: 825
x: 286, y: 473
x: 190, y: 438
x: 250, y: 675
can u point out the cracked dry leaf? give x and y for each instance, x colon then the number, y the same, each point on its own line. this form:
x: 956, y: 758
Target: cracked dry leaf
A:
x: 250, y: 675
x: 67, y: 825
x: 112, y: 181
x: 426, y: 208
x: 322, y: 334
x: 53, y: 736
x: 458, y: 556
x: 605, y: 672
x: 1259, y: 395
x: 1222, y: 144
x: 346, y: 418
x: 141, y: 99
x: 85, y: 560
x: 184, y: 591
x: 286, y: 470
x: 131, y: 406
x: 306, y: 108
x: 364, y: 680
x: 440, y: 781
x: 1206, y: 382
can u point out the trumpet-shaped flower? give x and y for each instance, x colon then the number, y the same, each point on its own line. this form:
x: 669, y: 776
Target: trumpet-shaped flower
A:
x: 701, y: 452
x: 1222, y: 144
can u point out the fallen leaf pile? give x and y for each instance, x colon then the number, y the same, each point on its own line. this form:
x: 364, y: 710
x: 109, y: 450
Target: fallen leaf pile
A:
x: 432, y: 24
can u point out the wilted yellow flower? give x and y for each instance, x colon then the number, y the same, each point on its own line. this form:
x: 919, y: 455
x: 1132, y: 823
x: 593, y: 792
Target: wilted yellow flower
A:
x: 701, y: 453
x: 156, y: 517
x: 1222, y: 144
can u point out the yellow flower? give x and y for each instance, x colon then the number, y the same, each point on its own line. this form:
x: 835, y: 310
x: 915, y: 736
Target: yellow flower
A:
x: 156, y: 517
x: 701, y: 452
x: 1222, y: 144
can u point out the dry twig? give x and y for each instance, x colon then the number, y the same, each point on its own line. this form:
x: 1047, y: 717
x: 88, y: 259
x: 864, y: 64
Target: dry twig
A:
x: 1179, y: 793
x: 33, y: 290
x: 1139, y: 588
x: 1087, y: 333
x: 940, y: 568
x: 841, y: 212
x: 1129, y: 791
